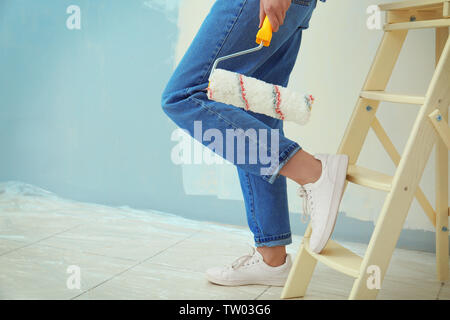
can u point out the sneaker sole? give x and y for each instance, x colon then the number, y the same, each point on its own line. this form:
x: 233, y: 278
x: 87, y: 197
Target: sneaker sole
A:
x: 235, y: 283
x: 338, y: 189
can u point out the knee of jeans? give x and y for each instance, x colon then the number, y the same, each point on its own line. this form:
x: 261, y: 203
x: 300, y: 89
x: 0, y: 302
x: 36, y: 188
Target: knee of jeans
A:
x: 170, y: 100
x: 175, y: 95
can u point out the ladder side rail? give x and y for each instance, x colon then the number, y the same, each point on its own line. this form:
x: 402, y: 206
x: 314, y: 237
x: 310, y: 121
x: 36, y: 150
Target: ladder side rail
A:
x: 441, y: 183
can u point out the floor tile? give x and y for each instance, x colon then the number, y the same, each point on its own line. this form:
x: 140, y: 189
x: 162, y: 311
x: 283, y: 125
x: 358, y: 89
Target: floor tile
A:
x: 10, y: 245
x: 326, y: 284
x: 40, y: 272
x: 28, y: 227
x: 444, y: 292
x: 205, y: 250
x: 155, y: 281
x: 411, y: 275
x: 133, y: 241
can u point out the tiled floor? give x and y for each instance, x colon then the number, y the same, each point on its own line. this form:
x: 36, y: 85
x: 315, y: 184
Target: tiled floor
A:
x: 129, y: 254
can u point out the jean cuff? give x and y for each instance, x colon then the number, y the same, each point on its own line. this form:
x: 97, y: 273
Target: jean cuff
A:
x: 275, y: 243
x: 285, y: 156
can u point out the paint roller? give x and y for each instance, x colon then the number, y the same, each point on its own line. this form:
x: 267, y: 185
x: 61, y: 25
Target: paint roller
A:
x: 255, y: 95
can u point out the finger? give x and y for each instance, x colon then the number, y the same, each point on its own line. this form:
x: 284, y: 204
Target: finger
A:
x: 284, y: 18
x: 278, y: 18
x: 262, y: 14
x: 273, y: 19
x: 261, y: 20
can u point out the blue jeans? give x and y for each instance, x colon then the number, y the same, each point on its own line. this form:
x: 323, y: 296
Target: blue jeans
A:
x: 231, y: 26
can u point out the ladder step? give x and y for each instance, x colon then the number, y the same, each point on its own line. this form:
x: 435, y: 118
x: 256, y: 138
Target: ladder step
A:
x: 392, y: 97
x: 436, y: 23
x: 337, y: 257
x: 412, y: 4
x: 369, y: 178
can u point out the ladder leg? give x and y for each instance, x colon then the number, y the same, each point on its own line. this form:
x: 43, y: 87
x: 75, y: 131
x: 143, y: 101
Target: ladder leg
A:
x: 405, y: 182
x: 377, y: 79
x: 394, y: 212
x: 442, y: 209
x: 364, y: 113
x: 442, y: 241
x: 300, y: 275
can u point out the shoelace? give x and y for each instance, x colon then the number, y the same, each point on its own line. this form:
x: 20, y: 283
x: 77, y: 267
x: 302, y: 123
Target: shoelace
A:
x: 242, y: 260
x: 307, y: 203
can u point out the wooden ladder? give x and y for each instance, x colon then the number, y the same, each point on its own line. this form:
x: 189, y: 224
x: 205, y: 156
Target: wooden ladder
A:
x: 430, y: 124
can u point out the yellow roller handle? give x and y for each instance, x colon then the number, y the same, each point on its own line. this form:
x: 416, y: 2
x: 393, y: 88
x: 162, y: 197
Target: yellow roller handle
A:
x: 265, y: 33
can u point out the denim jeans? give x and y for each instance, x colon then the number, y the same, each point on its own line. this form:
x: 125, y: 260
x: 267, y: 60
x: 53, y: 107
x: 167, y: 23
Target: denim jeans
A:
x: 231, y: 26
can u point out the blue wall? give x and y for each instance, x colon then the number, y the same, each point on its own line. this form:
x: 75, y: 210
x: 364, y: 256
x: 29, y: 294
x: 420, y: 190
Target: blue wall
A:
x: 80, y: 109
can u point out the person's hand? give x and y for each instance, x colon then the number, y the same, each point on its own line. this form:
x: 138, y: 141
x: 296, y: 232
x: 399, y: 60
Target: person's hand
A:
x: 275, y: 10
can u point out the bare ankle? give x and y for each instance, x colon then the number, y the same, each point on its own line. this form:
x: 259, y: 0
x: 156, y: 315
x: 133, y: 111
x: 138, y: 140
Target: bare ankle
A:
x: 276, y: 262
x: 316, y: 172
x: 273, y: 256
x: 302, y: 168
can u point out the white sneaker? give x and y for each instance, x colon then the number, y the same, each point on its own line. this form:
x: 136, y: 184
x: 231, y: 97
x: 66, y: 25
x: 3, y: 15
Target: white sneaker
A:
x: 250, y: 269
x: 322, y: 198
